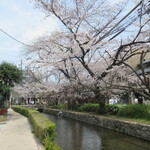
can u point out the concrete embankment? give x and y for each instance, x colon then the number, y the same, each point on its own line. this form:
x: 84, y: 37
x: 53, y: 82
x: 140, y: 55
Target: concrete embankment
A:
x: 135, y: 129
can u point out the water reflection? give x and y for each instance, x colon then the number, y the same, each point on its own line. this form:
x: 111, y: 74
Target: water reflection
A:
x: 75, y: 135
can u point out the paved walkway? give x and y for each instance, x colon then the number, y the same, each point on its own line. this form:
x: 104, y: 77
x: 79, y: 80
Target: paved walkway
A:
x: 16, y: 134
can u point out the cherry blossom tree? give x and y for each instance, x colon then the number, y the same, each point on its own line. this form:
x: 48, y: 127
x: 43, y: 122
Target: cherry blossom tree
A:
x: 51, y: 55
x: 34, y: 86
x: 89, y: 47
x: 86, y: 52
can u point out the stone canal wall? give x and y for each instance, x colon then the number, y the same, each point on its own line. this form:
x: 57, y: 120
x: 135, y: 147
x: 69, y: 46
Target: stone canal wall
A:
x: 138, y: 130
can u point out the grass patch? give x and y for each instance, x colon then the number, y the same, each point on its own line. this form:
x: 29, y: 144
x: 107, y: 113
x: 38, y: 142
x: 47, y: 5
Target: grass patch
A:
x: 144, y: 121
x: 3, y: 118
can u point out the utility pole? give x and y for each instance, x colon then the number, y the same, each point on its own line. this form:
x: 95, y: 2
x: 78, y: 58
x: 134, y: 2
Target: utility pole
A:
x: 21, y: 70
x: 21, y: 65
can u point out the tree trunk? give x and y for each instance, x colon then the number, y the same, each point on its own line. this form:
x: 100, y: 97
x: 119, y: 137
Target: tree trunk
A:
x: 28, y: 101
x: 101, y: 99
x: 69, y: 103
x: 34, y: 99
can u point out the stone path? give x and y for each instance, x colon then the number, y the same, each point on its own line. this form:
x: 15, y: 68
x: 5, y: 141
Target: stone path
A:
x: 16, y: 134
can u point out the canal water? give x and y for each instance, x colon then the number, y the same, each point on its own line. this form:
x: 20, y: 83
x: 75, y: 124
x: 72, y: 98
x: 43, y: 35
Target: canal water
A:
x: 75, y: 135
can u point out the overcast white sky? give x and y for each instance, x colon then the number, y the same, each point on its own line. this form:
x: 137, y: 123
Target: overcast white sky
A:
x: 21, y: 20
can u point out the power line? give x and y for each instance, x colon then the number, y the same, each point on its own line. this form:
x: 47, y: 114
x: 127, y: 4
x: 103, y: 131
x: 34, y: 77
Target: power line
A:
x: 13, y: 38
x: 131, y: 17
x: 5, y: 54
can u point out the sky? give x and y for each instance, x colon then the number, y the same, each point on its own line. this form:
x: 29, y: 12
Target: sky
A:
x: 21, y: 20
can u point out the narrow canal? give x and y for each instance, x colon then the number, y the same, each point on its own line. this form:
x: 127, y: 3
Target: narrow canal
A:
x: 75, y: 135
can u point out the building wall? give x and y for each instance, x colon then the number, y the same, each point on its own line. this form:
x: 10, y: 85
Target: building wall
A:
x: 135, y: 60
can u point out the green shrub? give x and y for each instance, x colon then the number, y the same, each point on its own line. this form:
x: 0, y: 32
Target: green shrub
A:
x: 23, y: 111
x: 50, y: 145
x: 120, y: 105
x: 89, y: 107
x: 101, y: 110
x: 134, y: 111
x: 44, y: 129
x: 148, y: 108
x: 112, y: 109
x: 148, y: 111
x: 60, y: 106
x: 42, y: 126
